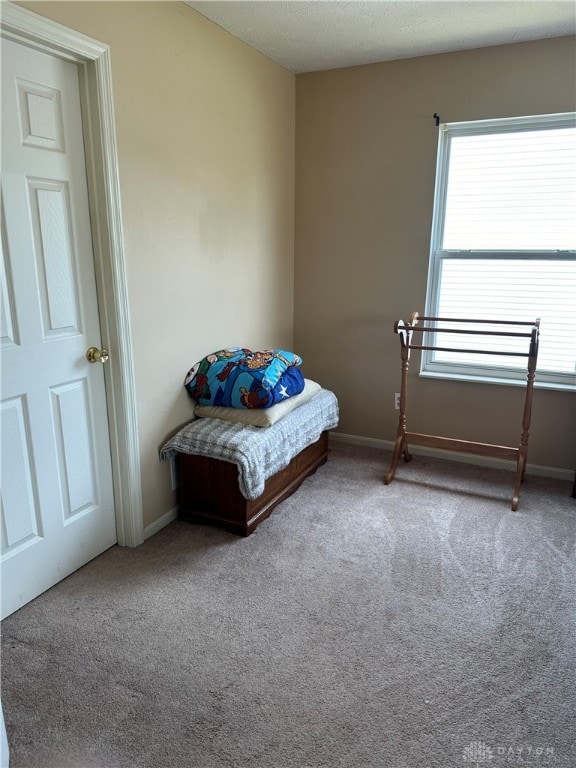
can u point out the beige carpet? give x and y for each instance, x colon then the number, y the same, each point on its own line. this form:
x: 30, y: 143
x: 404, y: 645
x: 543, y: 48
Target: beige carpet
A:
x: 419, y: 625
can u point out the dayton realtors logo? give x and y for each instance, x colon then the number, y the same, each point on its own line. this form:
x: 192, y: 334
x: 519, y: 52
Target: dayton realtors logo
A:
x: 478, y: 754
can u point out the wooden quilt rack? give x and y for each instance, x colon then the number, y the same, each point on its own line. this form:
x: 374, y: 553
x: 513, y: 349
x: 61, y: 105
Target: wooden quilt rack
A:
x: 510, y: 328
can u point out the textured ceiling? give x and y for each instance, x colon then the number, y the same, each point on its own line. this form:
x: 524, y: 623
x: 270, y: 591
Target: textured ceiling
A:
x: 326, y: 34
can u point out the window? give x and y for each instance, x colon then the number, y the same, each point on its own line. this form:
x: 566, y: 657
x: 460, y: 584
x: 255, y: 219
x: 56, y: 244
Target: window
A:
x: 504, y: 243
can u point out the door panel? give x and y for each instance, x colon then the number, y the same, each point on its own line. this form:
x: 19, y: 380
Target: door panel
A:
x: 57, y: 501
x: 18, y: 487
x: 51, y: 223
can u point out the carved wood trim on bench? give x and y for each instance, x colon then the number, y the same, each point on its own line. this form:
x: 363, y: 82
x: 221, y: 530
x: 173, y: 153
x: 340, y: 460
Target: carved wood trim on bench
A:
x: 208, y: 489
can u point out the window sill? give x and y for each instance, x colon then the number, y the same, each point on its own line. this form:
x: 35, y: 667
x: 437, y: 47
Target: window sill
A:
x: 496, y: 380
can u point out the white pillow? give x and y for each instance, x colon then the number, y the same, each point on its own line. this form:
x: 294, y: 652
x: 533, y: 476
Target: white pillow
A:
x: 259, y: 417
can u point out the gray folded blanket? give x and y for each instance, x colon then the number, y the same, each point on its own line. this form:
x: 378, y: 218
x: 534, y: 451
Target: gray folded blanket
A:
x: 258, y: 452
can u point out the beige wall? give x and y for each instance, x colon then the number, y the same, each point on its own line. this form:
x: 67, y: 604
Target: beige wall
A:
x: 205, y: 131
x: 365, y: 165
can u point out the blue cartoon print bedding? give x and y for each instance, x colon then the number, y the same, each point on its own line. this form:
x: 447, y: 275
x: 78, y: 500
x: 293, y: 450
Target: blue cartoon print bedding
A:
x: 239, y: 378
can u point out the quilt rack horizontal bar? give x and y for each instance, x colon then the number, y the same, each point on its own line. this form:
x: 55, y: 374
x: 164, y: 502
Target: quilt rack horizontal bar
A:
x: 435, y: 329
x: 470, y: 351
x: 473, y: 320
x: 465, y: 446
x: 406, y: 331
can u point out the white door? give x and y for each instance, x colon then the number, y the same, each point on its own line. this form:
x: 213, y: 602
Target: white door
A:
x: 56, y: 481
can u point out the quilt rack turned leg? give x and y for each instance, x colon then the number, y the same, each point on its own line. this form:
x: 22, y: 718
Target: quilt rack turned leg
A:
x: 523, y: 449
x: 520, y: 469
x: 399, y: 447
x: 401, y: 444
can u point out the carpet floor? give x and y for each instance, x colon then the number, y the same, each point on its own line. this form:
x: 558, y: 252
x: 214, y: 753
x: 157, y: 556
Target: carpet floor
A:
x: 419, y: 625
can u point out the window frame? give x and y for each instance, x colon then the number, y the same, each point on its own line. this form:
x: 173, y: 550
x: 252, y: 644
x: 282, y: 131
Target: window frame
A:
x: 465, y: 371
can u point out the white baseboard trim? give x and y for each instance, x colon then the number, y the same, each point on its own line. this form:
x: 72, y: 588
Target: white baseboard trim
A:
x: 162, y: 522
x: 388, y: 445
x: 485, y: 461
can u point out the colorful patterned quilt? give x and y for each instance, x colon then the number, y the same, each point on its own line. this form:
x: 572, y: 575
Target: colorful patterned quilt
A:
x: 240, y: 378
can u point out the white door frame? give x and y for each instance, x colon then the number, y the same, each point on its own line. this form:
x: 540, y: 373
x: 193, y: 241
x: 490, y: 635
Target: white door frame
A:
x: 93, y: 60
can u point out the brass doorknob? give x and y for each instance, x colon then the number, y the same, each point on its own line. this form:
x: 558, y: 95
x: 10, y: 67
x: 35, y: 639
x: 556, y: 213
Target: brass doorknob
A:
x: 95, y: 355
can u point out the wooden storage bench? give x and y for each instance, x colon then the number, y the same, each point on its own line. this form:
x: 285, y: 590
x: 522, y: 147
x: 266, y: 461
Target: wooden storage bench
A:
x: 209, y: 492
x: 233, y: 475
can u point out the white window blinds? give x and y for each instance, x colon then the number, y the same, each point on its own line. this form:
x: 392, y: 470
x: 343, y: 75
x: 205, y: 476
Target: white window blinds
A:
x: 504, y: 242
x: 503, y: 289
x: 512, y: 191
